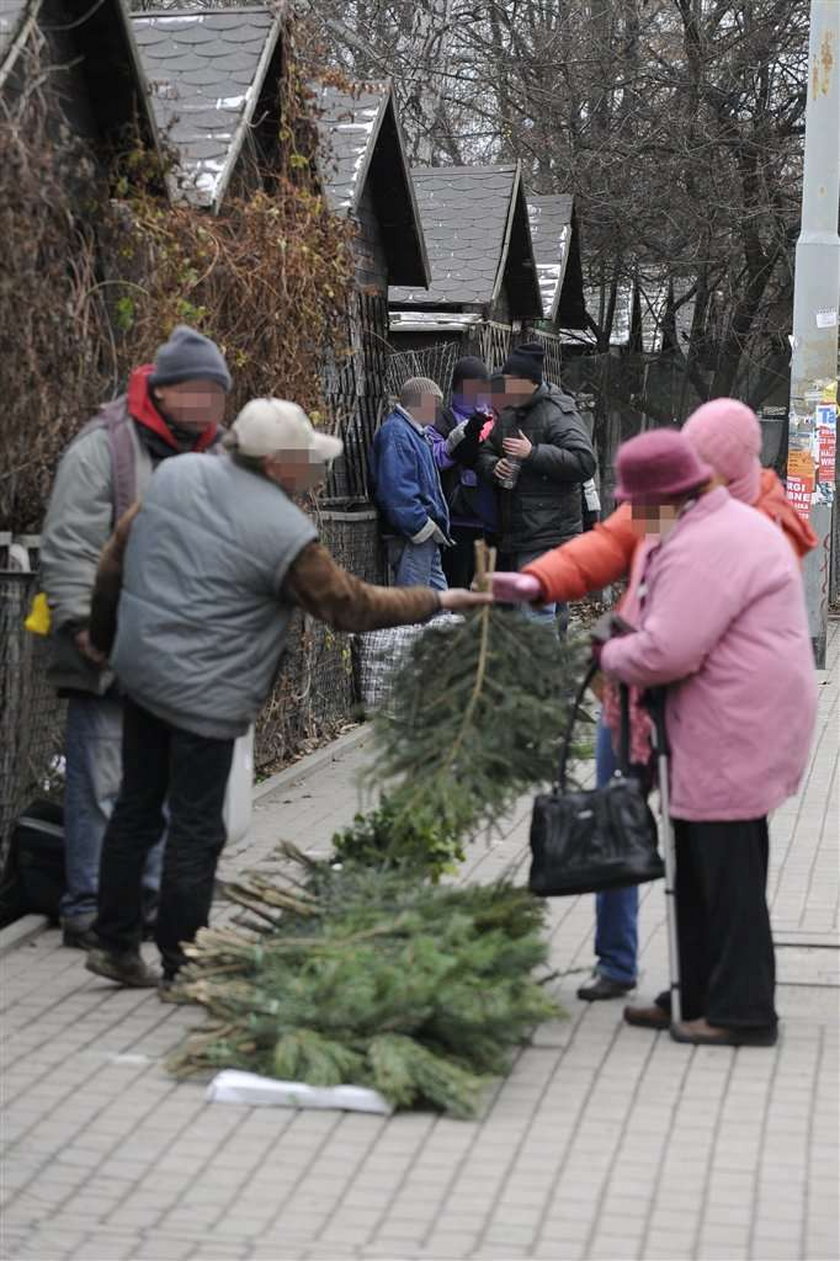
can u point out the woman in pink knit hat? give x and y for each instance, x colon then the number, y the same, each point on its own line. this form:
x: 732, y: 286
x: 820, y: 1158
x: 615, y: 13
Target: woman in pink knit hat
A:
x: 727, y: 435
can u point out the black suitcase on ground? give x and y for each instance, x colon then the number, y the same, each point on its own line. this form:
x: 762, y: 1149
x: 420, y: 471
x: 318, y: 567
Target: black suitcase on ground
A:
x: 33, y: 881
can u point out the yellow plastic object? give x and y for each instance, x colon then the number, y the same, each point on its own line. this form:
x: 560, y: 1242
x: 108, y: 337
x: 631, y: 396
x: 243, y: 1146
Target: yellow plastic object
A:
x: 39, y: 619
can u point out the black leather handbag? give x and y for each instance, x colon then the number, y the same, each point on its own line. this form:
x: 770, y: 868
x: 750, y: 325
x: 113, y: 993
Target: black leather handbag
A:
x: 605, y: 838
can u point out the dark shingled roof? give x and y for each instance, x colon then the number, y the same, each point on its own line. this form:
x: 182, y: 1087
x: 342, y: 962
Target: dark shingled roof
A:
x: 349, y: 125
x: 95, y: 65
x: 205, y: 70
x: 551, y: 232
x: 361, y: 148
x: 13, y: 13
x: 11, y: 21
x: 472, y: 218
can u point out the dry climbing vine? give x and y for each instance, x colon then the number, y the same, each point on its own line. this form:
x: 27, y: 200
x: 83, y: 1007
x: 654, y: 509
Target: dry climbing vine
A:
x: 96, y: 268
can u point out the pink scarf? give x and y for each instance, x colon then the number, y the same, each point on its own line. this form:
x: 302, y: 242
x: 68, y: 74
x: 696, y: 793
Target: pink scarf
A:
x: 641, y: 727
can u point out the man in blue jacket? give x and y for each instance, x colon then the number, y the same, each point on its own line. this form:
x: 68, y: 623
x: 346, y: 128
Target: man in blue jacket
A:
x: 407, y: 487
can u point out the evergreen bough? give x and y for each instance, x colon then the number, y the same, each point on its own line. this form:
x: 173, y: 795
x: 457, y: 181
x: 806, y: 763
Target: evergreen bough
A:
x: 370, y: 976
x: 481, y: 708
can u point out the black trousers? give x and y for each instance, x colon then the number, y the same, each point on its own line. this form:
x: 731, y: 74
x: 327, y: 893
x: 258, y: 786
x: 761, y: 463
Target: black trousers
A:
x: 727, y: 964
x: 162, y: 763
x: 459, y: 561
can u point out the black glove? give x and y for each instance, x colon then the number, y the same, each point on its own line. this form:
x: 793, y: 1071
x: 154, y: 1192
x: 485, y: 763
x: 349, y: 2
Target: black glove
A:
x: 475, y: 424
x: 466, y: 451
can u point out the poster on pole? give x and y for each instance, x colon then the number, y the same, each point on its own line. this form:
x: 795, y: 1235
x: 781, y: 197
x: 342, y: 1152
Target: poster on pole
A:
x: 826, y: 418
x: 801, y: 482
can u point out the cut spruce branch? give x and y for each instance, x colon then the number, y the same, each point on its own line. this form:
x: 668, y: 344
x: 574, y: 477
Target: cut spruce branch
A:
x: 422, y: 992
x: 481, y: 707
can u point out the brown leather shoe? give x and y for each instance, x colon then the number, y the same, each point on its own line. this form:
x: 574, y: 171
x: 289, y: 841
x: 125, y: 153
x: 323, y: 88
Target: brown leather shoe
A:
x: 652, y: 1017
x: 701, y: 1033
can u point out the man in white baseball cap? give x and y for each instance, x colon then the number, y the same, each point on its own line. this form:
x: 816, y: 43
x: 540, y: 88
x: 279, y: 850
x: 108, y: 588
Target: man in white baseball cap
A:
x: 282, y: 431
x: 206, y: 574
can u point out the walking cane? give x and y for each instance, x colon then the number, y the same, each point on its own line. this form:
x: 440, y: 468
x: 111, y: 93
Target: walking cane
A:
x: 656, y: 704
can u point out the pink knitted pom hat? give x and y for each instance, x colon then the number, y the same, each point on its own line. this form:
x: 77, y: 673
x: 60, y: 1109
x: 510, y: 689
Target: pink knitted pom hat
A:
x: 727, y: 435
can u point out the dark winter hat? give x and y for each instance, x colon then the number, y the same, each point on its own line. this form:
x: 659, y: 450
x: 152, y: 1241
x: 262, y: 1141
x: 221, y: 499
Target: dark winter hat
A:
x: 525, y: 361
x: 189, y: 356
x: 470, y: 368
x: 657, y: 467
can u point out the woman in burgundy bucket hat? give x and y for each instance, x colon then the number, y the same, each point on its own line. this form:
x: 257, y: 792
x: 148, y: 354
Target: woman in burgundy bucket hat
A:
x: 724, y: 628
x: 726, y: 434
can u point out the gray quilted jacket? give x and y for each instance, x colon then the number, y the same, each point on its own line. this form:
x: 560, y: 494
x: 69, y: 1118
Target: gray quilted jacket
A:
x: 105, y: 468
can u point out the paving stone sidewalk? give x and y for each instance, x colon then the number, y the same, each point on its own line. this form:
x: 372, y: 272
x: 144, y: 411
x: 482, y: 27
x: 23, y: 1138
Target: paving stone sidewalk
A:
x: 605, y: 1142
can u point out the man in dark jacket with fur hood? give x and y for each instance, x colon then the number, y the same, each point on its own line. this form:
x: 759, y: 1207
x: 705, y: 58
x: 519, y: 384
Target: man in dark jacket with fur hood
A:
x: 538, y: 454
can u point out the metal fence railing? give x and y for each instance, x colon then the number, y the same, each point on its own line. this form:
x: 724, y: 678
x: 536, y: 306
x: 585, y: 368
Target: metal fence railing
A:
x: 435, y: 362
x: 31, y: 715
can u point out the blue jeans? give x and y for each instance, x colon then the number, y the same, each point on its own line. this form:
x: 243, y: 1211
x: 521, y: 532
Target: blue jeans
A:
x: 554, y: 616
x: 416, y: 564
x: 93, y: 756
x: 616, y: 910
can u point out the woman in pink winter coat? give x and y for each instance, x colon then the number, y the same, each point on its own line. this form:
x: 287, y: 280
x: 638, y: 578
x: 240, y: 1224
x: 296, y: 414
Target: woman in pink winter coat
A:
x: 721, y: 622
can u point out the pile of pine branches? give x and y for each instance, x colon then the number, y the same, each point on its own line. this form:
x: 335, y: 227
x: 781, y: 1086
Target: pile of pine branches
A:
x: 369, y: 976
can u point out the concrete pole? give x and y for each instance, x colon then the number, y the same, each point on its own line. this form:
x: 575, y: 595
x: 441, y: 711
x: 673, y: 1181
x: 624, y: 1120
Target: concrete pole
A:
x: 815, y: 305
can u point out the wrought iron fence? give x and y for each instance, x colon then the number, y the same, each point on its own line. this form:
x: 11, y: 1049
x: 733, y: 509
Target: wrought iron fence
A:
x: 435, y: 362
x: 492, y: 343
x: 356, y: 392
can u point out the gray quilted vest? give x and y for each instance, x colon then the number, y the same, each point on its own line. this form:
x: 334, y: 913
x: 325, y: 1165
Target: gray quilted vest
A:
x: 202, y: 618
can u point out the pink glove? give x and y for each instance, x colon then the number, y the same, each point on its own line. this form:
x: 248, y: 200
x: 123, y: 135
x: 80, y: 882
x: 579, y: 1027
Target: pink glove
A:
x: 517, y: 588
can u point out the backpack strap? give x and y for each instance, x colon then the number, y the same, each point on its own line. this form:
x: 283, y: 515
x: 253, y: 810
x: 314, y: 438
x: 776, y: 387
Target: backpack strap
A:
x: 123, y: 464
x: 123, y: 455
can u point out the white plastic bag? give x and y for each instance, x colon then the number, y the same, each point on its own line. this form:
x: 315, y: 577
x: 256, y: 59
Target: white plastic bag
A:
x: 240, y: 787
x: 233, y: 1086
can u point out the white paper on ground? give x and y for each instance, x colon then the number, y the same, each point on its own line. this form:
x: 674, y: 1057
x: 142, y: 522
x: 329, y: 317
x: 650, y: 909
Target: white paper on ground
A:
x: 233, y: 1086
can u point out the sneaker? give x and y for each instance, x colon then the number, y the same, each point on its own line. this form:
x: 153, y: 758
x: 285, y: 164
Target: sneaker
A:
x: 604, y: 987
x: 77, y: 932
x: 126, y: 969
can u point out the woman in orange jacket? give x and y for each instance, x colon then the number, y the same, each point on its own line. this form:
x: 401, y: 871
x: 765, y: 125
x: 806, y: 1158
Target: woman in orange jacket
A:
x: 727, y: 435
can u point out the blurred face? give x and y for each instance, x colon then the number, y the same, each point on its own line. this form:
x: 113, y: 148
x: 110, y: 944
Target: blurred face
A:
x: 191, y: 405
x: 517, y: 389
x: 296, y: 471
x: 654, y: 519
x: 474, y: 391
x: 497, y: 394
x: 427, y: 410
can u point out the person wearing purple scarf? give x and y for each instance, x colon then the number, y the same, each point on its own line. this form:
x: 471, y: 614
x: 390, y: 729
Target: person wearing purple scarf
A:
x: 455, y: 438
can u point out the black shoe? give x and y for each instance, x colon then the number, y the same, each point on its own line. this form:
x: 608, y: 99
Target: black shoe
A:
x: 601, y: 988
x: 126, y: 969
x: 170, y: 990
x: 77, y: 932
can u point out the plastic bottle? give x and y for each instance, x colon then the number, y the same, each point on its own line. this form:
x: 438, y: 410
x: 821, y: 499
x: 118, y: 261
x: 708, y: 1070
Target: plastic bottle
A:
x: 508, y: 483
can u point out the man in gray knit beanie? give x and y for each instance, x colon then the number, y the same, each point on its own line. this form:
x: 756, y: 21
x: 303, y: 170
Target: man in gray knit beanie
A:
x: 171, y: 406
